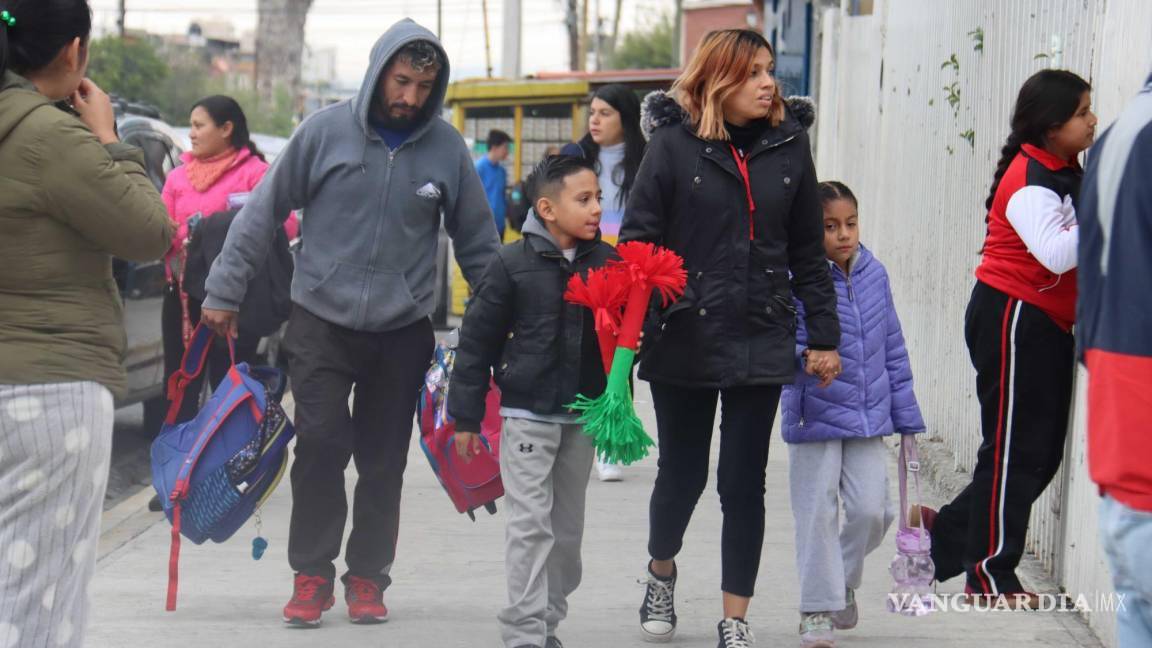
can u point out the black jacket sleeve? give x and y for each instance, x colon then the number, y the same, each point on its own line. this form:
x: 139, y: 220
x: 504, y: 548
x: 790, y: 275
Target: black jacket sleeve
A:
x: 482, y: 336
x: 647, y: 208
x: 807, y: 260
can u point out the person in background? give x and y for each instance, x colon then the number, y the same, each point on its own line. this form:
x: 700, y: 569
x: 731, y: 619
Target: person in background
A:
x: 1018, y: 328
x: 727, y: 183
x: 1114, y: 336
x: 224, y: 165
x: 494, y: 176
x: 615, y: 144
x: 835, y: 434
x: 362, y: 295
x: 73, y: 197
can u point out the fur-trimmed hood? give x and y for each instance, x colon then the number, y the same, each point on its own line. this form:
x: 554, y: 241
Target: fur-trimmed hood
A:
x: 661, y: 109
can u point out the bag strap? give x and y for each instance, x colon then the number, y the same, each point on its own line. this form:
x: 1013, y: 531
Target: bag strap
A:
x: 174, y: 560
x: 191, y: 366
x: 232, y: 400
x: 909, y: 463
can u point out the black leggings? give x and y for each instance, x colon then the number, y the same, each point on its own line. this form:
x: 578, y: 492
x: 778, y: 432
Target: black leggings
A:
x: 685, y: 418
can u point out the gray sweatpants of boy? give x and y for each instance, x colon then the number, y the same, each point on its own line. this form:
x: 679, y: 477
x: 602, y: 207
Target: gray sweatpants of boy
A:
x: 545, y: 468
x: 55, y: 444
x: 830, y: 556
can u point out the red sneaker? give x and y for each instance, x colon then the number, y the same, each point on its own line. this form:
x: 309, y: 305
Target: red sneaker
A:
x: 312, y: 596
x: 365, y: 600
x: 1012, y: 600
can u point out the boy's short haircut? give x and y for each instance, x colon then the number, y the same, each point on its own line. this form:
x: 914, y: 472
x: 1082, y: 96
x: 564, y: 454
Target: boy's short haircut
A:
x: 497, y: 138
x: 421, y: 55
x: 547, y: 178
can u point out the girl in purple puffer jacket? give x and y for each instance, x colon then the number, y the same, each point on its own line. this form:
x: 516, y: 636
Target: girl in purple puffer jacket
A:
x: 836, y: 450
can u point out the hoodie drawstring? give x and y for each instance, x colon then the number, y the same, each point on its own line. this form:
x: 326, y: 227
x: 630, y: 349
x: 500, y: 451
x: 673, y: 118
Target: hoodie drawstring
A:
x: 742, y: 165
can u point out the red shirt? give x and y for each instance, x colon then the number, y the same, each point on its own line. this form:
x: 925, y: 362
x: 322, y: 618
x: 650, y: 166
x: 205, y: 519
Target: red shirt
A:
x: 1035, y: 180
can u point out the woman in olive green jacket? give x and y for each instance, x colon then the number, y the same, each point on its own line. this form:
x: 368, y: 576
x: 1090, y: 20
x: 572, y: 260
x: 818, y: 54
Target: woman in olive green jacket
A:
x: 71, y: 198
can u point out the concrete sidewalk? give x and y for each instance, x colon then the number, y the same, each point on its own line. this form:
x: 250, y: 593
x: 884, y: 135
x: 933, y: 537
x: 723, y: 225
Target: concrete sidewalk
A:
x: 449, y: 580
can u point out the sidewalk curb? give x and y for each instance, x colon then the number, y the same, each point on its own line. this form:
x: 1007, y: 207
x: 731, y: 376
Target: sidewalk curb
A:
x: 120, y: 524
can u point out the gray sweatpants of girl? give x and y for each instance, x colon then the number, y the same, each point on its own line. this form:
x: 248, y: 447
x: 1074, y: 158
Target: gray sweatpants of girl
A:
x: 545, y: 469
x: 55, y: 445
x: 830, y: 555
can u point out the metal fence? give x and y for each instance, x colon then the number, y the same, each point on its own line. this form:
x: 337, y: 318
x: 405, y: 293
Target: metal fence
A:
x: 914, y: 102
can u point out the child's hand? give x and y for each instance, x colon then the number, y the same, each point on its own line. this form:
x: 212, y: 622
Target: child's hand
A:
x: 824, y: 364
x: 468, y: 445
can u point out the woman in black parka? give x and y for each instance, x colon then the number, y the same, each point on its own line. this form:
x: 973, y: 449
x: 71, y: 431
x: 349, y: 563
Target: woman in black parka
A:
x: 727, y: 183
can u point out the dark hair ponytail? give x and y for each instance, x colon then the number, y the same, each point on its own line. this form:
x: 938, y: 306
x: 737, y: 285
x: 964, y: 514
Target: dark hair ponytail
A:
x: 625, y: 102
x: 223, y: 109
x: 831, y: 190
x: 1047, y: 100
x: 39, y: 29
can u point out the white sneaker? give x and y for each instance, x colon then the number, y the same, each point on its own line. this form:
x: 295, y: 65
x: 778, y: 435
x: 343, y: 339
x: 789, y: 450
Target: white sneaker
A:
x: 609, y: 472
x: 734, y: 633
x: 658, y: 612
x: 816, y: 630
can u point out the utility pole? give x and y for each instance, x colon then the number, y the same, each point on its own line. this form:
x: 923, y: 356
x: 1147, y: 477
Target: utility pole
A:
x: 487, y: 39
x: 677, y: 37
x: 440, y: 19
x: 583, y: 63
x: 615, y: 27
x: 599, y: 37
x: 510, y: 53
x: 573, y: 36
x: 121, y: 16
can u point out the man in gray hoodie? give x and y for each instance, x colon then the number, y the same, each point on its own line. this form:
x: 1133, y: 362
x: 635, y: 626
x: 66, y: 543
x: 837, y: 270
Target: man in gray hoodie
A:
x: 373, y: 175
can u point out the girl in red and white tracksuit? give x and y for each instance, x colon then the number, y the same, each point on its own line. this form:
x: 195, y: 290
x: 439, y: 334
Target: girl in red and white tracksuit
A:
x: 1019, y: 333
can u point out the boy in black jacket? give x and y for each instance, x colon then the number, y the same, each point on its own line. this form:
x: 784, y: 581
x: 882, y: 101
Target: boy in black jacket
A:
x: 544, y: 352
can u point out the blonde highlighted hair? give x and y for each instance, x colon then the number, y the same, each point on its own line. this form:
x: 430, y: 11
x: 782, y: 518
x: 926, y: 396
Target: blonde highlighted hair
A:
x: 719, y: 67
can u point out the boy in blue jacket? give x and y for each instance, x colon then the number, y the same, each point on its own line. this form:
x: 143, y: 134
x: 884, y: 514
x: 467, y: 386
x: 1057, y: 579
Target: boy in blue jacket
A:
x: 835, y: 430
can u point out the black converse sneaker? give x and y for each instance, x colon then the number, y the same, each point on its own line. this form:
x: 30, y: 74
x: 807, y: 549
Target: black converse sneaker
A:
x: 658, y: 613
x: 734, y: 633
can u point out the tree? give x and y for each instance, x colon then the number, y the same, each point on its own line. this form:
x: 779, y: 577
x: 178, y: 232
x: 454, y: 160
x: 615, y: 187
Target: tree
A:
x: 650, y: 48
x: 129, y: 68
x: 279, y: 48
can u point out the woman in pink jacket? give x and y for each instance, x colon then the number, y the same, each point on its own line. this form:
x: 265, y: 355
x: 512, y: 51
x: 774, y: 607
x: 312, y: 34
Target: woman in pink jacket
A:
x: 222, y: 168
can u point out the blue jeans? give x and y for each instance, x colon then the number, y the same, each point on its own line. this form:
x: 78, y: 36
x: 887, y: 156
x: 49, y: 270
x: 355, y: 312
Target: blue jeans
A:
x: 1127, y: 534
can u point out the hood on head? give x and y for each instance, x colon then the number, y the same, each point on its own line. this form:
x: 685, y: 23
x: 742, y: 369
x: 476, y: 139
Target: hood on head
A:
x: 661, y: 109
x: 397, y: 36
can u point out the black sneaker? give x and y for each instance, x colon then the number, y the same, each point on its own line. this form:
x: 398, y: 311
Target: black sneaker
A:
x: 658, y: 613
x: 734, y: 633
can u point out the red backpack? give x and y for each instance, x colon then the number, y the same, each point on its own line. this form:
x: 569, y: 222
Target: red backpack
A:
x: 469, y: 485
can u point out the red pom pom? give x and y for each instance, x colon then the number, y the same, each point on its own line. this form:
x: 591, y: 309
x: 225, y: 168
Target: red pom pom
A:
x: 657, y: 267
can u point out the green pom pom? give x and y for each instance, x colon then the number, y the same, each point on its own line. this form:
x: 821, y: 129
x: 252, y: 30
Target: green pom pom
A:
x: 610, y: 420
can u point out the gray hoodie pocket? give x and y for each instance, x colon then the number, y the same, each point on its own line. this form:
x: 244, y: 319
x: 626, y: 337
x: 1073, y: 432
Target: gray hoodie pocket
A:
x: 375, y: 299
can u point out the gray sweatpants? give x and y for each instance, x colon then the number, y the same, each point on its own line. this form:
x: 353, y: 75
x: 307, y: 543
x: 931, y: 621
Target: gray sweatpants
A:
x: 545, y: 468
x: 55, y: 444
x: 830, y: 556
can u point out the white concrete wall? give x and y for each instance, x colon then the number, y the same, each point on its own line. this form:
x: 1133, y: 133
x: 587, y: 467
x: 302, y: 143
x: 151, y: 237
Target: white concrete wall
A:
x: 887, y: 129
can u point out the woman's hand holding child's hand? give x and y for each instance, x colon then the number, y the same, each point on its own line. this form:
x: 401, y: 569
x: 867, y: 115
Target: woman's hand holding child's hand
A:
x: 823, y: 364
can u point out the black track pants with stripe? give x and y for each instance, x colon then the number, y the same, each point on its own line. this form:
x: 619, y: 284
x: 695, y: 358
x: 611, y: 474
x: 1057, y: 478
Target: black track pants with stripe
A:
x: 1024, y: 367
